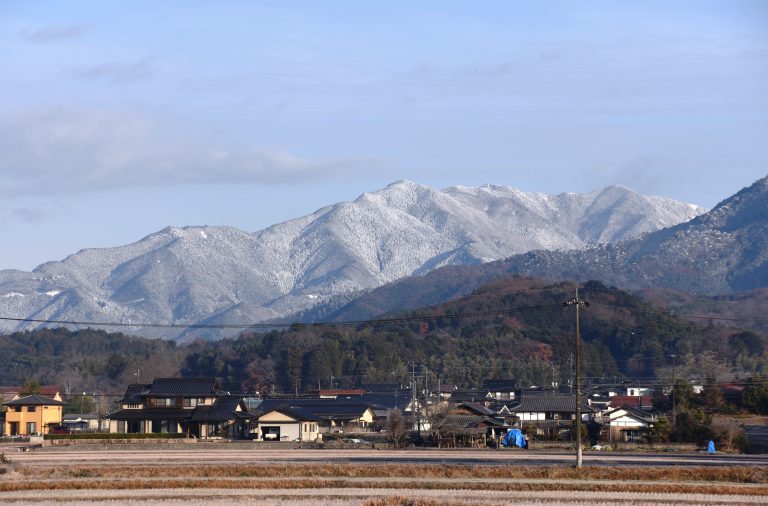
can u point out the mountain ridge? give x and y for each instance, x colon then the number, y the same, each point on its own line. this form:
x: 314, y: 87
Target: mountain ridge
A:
x: 720, y: 252
x: 223, y: 274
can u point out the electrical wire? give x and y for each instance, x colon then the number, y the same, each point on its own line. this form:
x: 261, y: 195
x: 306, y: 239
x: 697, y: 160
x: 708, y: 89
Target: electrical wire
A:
x: 378, y: 321
x: 685, y: 315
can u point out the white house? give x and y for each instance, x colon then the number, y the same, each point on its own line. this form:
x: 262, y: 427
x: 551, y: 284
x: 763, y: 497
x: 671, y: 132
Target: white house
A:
x: 287, y: 424
x: 626, y: 424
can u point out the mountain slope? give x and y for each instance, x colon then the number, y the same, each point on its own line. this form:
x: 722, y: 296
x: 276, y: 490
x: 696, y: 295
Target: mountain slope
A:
x: 720, y: 252
x: 225, y: 275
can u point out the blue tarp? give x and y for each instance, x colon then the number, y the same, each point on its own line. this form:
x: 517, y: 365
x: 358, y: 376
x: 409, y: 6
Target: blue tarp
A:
x: 514, y: 437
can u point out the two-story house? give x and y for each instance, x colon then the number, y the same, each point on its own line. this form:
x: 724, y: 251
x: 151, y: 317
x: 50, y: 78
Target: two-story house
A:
x: 551, y: 413
x: 194, y: 406
x: 32, y: 415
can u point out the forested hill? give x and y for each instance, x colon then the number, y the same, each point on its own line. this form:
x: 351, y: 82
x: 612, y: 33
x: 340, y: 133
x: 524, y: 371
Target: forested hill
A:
x: 511, y: 328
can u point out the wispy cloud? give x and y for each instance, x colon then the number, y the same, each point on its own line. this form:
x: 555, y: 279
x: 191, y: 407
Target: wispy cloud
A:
x: 53, y: 33
x: 61, y: 151
x: 115, y: 72
x: 31, y: 215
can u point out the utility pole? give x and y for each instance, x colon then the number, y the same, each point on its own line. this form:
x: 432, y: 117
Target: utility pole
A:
x: 554, y: 385
x: 414, y: 399
x: 576, y: 301
x: 674, y: 387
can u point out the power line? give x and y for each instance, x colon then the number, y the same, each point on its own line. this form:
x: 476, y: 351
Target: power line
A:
x: 378, y: 321
x: 685, y: 315
x: 375, y: 321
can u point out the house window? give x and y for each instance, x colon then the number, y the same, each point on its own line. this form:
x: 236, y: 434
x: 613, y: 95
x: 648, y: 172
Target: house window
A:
x: 17, y: 409
x: 32, y: 409
x: 31, y: 427
x: 164, y: 402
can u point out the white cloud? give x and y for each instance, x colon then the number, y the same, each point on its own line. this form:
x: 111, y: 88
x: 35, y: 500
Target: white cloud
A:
x: 60, y: 151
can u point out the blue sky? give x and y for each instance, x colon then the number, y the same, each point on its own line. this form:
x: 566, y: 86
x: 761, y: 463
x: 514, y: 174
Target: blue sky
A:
x: 120, y: 118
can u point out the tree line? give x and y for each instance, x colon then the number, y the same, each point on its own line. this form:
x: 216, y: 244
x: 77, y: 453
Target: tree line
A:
x: 497, y: 332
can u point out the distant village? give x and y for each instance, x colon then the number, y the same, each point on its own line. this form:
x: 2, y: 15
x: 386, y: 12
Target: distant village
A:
x: 445, y: 416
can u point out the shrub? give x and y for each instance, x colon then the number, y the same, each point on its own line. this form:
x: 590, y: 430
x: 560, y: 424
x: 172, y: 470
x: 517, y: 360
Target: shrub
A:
x: 728, y: 435
x: 148, y: 435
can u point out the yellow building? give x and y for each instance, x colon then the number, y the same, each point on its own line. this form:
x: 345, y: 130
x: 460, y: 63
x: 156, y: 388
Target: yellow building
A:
x: 32, y: 415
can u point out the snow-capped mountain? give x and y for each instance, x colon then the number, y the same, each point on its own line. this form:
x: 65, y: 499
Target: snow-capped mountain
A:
x: 225, y: 275
x: 720, y: 252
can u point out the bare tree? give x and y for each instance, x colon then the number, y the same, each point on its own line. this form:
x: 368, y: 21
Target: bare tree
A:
x: 437, y: 416
x: 397, y: 429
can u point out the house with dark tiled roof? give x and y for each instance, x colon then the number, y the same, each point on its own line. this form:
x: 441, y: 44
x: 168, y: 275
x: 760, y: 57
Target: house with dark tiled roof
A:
x: 383, y: 403
x: 542, y: 406
x: 626, y: 424
x: 194, y: 406
x: 473, y: 408
x: 501, y: 389
x: 552, y: 413
x: 466, y: 425
x: 479, y: 395
x: 444, y: 390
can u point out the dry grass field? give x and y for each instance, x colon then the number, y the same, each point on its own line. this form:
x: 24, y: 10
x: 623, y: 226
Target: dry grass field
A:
x: 378, y: 484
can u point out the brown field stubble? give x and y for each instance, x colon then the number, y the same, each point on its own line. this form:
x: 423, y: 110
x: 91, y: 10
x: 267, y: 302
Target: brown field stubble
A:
x: 709, y: 480
x: 731, y: 474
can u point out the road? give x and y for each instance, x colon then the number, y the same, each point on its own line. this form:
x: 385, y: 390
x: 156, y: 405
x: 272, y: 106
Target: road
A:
x: 197, y: 455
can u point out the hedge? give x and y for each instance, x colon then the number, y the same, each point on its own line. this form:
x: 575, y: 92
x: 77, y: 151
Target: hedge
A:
x: 103, y: 435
